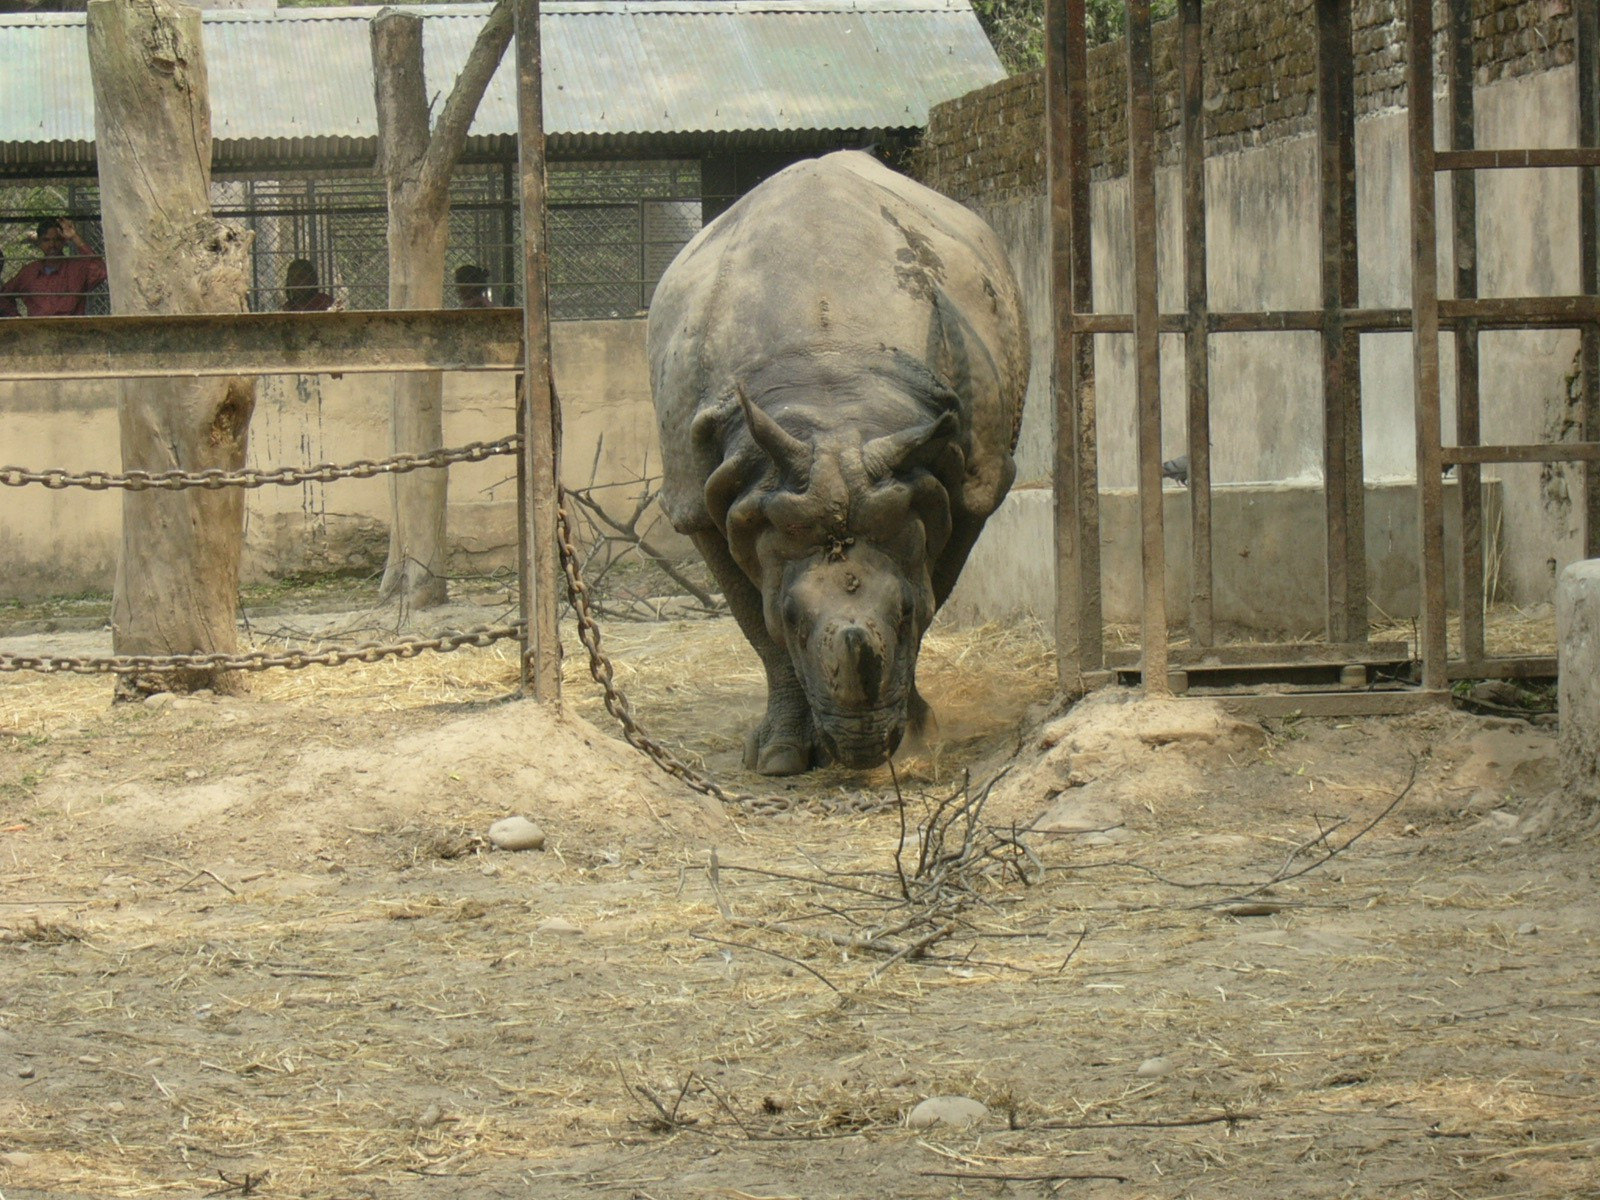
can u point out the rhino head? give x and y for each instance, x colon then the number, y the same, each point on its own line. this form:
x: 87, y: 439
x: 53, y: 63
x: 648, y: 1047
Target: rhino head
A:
x: 839, y: 538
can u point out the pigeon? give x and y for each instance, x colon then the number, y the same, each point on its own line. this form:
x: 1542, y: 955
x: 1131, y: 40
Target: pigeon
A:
x: 1177, y: 468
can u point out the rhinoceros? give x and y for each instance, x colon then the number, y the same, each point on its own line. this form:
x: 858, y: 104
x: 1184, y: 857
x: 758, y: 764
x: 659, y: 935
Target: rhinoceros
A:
x: 838, y: 364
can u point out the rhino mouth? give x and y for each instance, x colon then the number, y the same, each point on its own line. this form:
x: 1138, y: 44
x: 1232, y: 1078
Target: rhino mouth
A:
x: 865, y: 742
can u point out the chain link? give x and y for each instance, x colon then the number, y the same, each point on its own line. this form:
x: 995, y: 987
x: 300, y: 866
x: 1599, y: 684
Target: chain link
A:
x: 617, y: 703
x: 256, y: 660
x: 216, y: 477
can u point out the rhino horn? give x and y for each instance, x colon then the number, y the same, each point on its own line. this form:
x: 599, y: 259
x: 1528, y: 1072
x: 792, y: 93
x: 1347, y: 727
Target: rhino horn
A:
x: 792, y: 455
x: 883, y: 456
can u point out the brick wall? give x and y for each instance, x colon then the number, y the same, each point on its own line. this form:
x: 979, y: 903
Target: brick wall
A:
x: 1260, y: 58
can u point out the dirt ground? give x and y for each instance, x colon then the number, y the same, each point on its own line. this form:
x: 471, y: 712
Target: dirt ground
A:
x: 261, y: 947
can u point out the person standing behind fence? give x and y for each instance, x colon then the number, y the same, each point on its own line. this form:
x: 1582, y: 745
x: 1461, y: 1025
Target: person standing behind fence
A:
x: 301, y: 291
x: 472, y: 287
x: 56, y: 284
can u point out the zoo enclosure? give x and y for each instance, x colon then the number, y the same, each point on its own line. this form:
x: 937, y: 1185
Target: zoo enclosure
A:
x: 1347, y: 651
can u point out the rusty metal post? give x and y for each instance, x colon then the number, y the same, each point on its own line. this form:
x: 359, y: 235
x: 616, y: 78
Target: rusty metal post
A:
x: 1080, y: 638
x: 1147, y: 343
x: 1588, y: 61
x: 1425, y: 340
x: 539, y: 562
x: 1196, y: 335
x: 1469, y: 422
x: 1343, y: 463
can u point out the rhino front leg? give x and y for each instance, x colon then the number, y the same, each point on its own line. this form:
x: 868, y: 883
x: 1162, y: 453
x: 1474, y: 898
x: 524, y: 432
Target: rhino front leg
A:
x: 784, y: 743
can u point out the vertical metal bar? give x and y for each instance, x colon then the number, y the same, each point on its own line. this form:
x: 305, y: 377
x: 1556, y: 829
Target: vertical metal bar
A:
x: 1196, y: 343
x: 1344, y: 465
x: 1425, y: 340
x: 1080, y: 639
x: 1588, y: 58
x: 540, y: 565
x: 1147, y: 343
x: 1469, y: 424
x: 507, y: 267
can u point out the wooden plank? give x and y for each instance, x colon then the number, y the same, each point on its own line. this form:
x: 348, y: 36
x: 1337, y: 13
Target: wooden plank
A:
x: 143, y: 347
x: 1525, y: 312
x: 1531, y: 666
x: 1196, y: 351
x: 1343, y: 460
x: 1492, y: 160
x: 1539, y: 452
x: 1147, y: 342
x: 1588, y: 73
x: 1332, y: 704
x: 1266, y: 655
x: 1425, y: 338
x: 541, y: 570
x: 1079, y: 632
x: 1464, y: 233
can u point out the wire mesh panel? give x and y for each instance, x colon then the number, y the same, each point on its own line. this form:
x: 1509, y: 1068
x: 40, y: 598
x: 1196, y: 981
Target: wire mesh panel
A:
x: 614, y: 228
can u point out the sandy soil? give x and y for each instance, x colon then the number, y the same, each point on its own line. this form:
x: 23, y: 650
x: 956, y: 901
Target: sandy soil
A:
x: 260, y: 946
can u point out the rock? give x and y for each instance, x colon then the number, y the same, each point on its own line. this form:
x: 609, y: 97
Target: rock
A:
x: 561, y: 927
x: 1109, y: 838
x: 516, y: 833
x: 1527, y: 928
x: 1154, y: 1068
x: 1076, y: 813
x: 1497, y: 691
x: 958, y: 1111
x: 159, y: 700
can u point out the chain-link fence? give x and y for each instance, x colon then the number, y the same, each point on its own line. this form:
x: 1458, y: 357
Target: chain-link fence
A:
x: 614, y: 227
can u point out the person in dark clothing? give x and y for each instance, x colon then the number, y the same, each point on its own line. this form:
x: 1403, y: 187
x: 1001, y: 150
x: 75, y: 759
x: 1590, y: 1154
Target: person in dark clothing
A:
x: 301, y: 291
x: 472, y: 287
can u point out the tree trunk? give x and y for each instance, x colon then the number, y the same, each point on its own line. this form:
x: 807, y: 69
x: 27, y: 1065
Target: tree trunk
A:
x: 177, y: 582
x: 417, y: 165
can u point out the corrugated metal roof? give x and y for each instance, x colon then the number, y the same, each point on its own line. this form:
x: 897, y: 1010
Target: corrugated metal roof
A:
x: 626, y: 68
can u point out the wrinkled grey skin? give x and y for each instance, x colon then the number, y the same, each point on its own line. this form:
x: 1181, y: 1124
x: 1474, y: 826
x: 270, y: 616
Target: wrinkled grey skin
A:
x: 838, y: 363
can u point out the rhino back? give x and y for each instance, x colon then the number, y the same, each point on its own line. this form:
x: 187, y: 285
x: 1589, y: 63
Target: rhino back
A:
x: 837, y: 266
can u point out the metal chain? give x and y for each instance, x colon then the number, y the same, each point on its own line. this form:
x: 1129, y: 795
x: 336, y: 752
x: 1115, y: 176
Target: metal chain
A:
x: 600, y: 668
x: 257, y: 660
x: 216, y: 477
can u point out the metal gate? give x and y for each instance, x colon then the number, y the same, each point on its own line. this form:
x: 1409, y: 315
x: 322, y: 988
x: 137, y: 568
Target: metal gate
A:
x: 1332, y: 675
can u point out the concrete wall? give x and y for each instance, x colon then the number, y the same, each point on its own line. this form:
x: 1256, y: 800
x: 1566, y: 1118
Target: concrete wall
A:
x: 65, y: 542
x: 1269, y: 571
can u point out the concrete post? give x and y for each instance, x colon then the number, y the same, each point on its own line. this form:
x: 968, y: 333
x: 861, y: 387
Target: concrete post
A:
x: 1578, y: 643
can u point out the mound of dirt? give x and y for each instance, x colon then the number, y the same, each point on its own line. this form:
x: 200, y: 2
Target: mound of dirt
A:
x: 260, y: 774
x: 1079, y: 772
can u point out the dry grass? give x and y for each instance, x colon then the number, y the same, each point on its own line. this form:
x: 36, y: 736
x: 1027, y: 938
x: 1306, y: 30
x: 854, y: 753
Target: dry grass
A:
x: 382, y: 1015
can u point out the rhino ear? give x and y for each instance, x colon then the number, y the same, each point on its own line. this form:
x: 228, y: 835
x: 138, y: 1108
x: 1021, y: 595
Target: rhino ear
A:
x: 883, y: 457
x: 791, y: 454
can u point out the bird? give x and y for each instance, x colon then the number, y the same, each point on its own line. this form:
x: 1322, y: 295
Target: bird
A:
x: 1177, y: 468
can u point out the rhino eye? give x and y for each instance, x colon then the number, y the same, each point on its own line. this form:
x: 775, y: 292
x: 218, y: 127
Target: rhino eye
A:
x: 792, y: 618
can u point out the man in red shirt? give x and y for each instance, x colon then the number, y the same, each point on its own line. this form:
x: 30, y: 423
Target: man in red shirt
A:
x: 58, y: 284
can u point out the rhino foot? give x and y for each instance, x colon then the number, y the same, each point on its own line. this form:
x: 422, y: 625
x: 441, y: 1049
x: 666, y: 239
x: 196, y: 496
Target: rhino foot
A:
x: 776, y: 758
x: 781, y: 747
